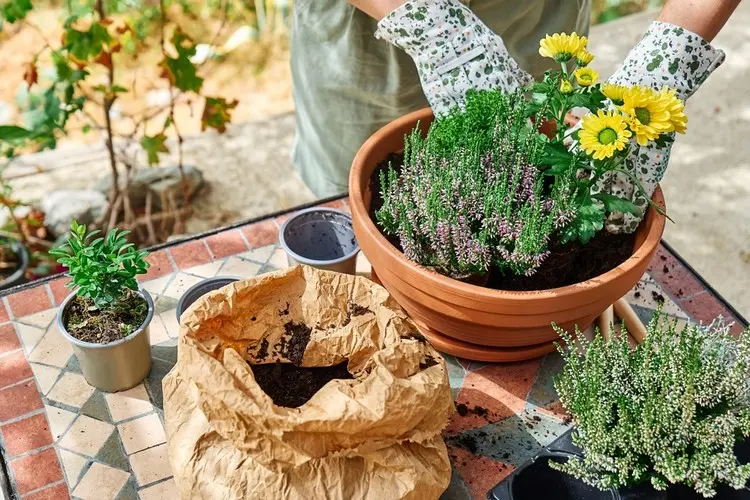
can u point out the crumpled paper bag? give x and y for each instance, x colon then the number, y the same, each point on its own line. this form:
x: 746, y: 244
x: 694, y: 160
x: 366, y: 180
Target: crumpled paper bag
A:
x: 376, y: 436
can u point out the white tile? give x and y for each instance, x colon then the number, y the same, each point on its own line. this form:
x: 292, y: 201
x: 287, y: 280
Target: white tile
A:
x: 151, y: 465
x: 157, y: 332
x: 72, y: 389
x: 30, y: 336
x: 180, y: 285
x: 128, y: 404
x: 86, y: 436
x: 155, y: 287
x: 646, y: 292
x: 260, y: 255
x: 101, y: 482
x: 141, y: 433
x: 169, y: 318
x: 59, y: 420
x: 73, y: 465
x: 240, y: 268
x: 41, y: 319
x: 45, y: 376
x: 163, y: 491
x: 53, y: 349
x: 206, y: 270
x: 279, y: 259
x: 363, y: 266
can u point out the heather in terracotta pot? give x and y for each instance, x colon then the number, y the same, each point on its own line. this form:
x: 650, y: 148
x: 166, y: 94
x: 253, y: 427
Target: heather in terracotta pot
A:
x: 480, y: 197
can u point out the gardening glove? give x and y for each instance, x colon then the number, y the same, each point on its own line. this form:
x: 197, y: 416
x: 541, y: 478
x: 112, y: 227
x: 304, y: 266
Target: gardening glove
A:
x: 453, y: 50
x: 666, y: 56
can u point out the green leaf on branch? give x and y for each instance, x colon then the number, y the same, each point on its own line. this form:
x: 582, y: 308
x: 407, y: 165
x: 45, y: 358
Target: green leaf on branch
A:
x: 180, y: 70
x: 153, y: 146
x: 589, y: 221
x: 614, y: 203
x: 217, y: 113
x: 84, y: 45
x: 12, y: 133
x: 15, y: 10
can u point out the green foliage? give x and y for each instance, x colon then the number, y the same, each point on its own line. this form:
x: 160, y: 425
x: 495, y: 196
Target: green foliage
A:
x: 102, y: 268
x: 668, y: 412
x: 153, y: 146
x: 15, y: 10
x: 180, y: 70
x: 85, y: 45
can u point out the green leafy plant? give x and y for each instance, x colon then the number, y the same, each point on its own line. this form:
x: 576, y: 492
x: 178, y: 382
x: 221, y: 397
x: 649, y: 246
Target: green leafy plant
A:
x: 667, y: 412
x: 102, y: 268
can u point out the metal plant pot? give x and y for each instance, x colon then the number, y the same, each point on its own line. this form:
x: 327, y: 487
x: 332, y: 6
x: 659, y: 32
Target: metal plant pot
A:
x: 19, y: 275
x: 200, y: 289
x: 321, y: 238
x: 116, y: 366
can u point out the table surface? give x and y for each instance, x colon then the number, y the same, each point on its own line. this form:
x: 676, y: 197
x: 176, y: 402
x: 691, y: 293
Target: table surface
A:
x: 59, y: 437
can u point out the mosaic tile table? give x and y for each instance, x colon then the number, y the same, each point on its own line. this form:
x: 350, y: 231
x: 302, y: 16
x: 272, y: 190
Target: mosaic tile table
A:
x: 62, y: 438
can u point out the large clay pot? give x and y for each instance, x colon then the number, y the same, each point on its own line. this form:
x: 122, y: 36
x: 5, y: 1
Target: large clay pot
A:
x: 471, y: 321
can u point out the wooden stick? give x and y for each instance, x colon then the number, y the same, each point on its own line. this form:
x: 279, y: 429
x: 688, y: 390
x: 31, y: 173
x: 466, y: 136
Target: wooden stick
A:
x: 605, y: 322
x: 632, y: 323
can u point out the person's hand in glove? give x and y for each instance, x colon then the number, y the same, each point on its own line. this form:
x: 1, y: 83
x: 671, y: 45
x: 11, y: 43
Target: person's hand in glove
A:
x: 675, y: 53
x: 452, y: 49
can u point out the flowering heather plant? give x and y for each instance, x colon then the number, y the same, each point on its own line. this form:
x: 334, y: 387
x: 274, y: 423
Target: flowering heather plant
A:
x: 668, y: 412
x: 469, y: 195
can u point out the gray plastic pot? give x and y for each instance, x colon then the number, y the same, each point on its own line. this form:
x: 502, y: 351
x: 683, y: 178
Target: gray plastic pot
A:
x: 321, y: 238
x: 19, y: 275
x: 200, y: 289
x: 116, y: 366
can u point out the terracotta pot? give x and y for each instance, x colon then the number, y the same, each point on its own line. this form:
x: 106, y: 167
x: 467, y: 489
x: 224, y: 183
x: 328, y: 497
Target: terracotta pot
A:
x: 471, y: 321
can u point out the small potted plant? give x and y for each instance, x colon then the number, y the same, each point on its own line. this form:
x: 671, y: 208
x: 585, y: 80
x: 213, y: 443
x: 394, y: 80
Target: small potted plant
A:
x: 667, y: 419
x: 106, y: 319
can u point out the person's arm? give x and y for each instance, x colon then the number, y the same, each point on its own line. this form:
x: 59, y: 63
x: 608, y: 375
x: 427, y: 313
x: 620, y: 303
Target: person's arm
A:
x: 705, y: 18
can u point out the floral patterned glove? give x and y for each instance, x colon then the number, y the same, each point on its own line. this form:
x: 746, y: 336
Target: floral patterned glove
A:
x: 666, y: 56
x: 453, y: 50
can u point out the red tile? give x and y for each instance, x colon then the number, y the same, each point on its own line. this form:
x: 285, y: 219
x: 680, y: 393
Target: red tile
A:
x: 59, y: 492
x: 261, y: 233
x: 4, y: 317
x: 226, y: 243
x: 480, y: 473
x: 59, y: 290
x: 281, y: 219
x: 674, y: 278
x: 8, y: 339
x: 737, y: 329
x: 160, y: 266
x: 335, y: 204
x: 19, y: 400
x: 705, y: 307
x: 29, y: 302
x: 37, y: 470
x: 192, y: 253
x: 14, y: 368
x: 26, y: 435
x: 501, y: 390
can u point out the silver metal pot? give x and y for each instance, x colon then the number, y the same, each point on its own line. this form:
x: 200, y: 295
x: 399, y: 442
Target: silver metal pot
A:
x: 116, y: 366
x: 321, y: 238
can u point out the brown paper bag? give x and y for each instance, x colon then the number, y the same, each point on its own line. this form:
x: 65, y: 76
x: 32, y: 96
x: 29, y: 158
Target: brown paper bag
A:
x: 375, y: 436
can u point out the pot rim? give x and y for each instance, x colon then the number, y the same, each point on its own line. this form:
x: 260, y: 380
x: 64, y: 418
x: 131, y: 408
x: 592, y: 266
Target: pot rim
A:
x: 23, y: 254
x: 314, y: 262
x: 92, y: 345
x: 357, y: 204
x: 181, y: 303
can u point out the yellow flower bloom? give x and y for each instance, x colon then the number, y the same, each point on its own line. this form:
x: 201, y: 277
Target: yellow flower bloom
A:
x: 614, y: 93
x: 604, y: 133
x: 562, y: 47
x: 583, y: 58
x: 648, y: 113
x: 566, y: 87
x: 676, y: 107
x: 586, y: 76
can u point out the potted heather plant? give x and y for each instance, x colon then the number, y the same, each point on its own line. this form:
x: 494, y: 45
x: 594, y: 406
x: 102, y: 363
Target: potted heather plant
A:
x: 667, y: 419
x: 106, y: 319
x: 487, y: 230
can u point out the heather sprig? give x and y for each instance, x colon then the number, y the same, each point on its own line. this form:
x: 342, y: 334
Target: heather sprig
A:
x: 667, y: 412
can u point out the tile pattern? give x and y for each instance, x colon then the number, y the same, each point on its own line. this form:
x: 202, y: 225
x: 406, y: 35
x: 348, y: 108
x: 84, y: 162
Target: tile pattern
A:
x: 60, y: 437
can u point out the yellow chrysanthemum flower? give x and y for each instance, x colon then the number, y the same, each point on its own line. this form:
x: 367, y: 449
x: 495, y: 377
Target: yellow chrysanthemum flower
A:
x: 614, y: 93
x: 583, y: 58
x: 648, y: 113
x: 676, y: 107
x: 604, y: 133
x: 586, y: 76
x: 566, y: 87
x: 562, y: 47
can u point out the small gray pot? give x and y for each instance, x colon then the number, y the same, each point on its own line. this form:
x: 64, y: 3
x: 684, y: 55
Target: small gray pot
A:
x: 200, y: 289
x: 116, y: 366
x: 321, y: 238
